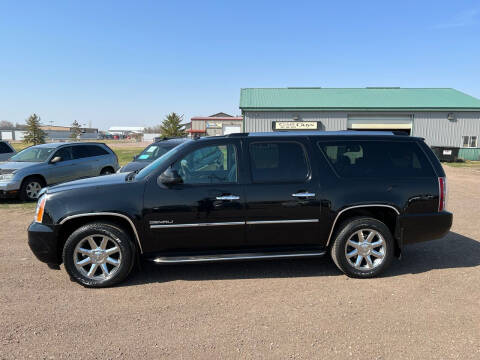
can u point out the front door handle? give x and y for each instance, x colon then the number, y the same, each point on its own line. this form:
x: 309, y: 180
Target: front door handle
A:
x: 303, y: 195
x: 228, y: 197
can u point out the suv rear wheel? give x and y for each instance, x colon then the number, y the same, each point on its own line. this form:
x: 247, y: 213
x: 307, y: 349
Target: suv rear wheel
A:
x: 98, y: 255
x: 363, y: 247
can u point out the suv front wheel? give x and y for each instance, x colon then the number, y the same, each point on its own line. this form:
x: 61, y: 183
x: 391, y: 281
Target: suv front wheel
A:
x: 30, y: 188
x: 363, y: 247
x: 98, y: 255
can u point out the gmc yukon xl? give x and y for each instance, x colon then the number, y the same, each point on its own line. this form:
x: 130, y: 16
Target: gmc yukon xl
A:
x: 358, y: 196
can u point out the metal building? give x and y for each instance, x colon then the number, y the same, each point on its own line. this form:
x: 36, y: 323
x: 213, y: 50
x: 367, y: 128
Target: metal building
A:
x: 443, y: 116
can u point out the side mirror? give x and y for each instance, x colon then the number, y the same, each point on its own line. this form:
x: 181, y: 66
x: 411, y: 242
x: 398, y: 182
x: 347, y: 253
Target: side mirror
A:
x: 135, y: 157
x: 56, y: 159
x: 170, y: 177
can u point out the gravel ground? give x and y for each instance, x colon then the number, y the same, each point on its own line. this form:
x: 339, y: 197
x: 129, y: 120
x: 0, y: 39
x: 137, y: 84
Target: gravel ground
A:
x: 426, y: 306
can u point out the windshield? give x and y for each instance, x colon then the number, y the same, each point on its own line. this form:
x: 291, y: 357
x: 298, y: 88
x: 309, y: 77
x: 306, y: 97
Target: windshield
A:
x: 153, y: 152
x: 163, y: 160
x: 33, y: 154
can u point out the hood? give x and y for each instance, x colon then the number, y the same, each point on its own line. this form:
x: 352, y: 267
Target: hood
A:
x: 134, y: 166
x: 97, y: 181
x: 13, y: 165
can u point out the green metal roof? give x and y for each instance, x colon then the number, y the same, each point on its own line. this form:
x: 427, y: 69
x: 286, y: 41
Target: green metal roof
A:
x: 366, y: 99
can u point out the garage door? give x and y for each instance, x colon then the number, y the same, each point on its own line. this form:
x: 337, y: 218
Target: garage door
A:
x: 6, y: 135
x: 402, y: 123
x: 231, y: 129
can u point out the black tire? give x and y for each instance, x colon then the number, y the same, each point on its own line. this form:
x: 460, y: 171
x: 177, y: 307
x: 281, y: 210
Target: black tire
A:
x: 27, y: 184
x: 349, y: 230
x: 98, y: 230
x: 107, y: 171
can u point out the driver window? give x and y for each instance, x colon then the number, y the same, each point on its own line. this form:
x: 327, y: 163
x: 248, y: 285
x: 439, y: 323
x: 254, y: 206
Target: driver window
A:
x: 65, y: 153
x: 209, y: 165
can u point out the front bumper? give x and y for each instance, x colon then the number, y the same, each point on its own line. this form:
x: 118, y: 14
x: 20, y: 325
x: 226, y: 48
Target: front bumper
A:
x: 423, y: 227
x: 42, y: 240
x: 9, y: 189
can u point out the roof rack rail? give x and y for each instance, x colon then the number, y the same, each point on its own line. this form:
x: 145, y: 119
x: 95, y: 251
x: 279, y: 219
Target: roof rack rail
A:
x: 238, y: 134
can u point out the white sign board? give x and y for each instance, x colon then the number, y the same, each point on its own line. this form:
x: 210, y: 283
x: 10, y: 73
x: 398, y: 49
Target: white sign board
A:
x: 295, y: 125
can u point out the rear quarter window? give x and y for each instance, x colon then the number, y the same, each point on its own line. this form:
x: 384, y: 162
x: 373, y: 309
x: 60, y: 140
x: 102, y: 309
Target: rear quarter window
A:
x: 355, y: 158
x: 96, y: 150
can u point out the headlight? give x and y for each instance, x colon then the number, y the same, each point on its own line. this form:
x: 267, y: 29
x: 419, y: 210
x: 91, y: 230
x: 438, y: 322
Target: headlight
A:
x: 40, y: 208
x: 6, y: 177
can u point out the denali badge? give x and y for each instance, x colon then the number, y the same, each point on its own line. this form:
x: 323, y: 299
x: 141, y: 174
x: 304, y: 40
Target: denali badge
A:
x: 161, y: 222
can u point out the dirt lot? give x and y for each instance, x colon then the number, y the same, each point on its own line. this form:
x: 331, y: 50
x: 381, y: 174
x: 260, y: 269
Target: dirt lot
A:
x: 426, y: 306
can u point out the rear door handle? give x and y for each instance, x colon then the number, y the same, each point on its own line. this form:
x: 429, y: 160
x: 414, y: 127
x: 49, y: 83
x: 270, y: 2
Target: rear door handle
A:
x: 303, y: 195
x: 228, y: 197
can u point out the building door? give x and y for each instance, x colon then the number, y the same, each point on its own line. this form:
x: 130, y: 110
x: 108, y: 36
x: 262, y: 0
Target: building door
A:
x: 381, y: 123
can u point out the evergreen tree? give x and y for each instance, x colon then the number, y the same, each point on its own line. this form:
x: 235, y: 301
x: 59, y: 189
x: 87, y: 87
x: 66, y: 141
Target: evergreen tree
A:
x: 34, y: 135
x: 172, y: 126
x: 75, y: 130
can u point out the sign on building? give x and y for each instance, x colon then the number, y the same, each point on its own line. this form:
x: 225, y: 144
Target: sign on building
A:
x: 295, y: 125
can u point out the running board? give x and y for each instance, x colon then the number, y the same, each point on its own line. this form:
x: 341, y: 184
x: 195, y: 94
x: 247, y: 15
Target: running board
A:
x: 232, y: 257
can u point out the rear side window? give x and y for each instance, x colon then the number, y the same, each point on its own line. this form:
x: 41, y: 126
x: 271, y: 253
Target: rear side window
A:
x: 4, y: 148
x: 96, y: 150
x: 377, y: 159
x: 80, y: 151
x: 83, y: 151
x: 275, y: 162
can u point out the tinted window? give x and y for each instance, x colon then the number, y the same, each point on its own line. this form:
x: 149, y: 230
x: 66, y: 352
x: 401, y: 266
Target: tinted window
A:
x: 4, y: 148
x: 278, y: 162
x: 80, y: 151
x: 377, y: 159
x: 96, y: 150
x: 209, y: 165
x: 83, y: 151
x: 65, y: 153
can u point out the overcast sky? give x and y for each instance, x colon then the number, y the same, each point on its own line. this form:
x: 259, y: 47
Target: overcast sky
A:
x: 132, y: 62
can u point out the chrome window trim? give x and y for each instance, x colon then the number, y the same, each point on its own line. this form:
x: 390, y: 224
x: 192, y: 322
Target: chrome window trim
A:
x: 261, y: 222
x: 107, y: 214
x: 354, y: 207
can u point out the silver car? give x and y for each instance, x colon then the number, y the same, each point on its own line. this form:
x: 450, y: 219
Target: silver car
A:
x: 35, y: 167
x: 6, y: 151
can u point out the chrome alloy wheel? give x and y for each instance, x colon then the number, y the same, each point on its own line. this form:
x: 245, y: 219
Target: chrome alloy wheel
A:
x: 97, y: 257
x: 33, y: 189
x: 365, y: 249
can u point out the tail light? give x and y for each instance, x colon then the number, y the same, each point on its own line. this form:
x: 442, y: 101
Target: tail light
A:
x: 442, y: 193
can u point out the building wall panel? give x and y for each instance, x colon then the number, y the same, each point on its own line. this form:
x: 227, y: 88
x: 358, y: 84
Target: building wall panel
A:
x: 433, y: 126
x: 439, y: 131
x: 257, y: 121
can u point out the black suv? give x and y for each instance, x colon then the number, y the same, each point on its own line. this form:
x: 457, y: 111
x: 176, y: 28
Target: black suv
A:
x: 359, y: 196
